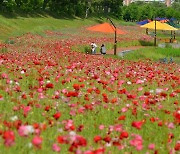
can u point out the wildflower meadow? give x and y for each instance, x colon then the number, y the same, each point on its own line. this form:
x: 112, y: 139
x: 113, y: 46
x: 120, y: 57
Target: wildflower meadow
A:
x: 54, y: 99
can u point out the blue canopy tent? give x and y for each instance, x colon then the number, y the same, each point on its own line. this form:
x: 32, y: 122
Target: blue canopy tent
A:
x: 143, y: 22
x: 172, y: 19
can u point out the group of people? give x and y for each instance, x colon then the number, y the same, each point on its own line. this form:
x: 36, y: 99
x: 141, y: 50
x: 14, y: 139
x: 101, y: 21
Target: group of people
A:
x: 94, y: 46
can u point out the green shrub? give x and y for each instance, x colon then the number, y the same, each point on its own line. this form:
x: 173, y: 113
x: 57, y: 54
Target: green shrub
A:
x: 87, y: 50
x: 9, y: 41
x: 3, y: 50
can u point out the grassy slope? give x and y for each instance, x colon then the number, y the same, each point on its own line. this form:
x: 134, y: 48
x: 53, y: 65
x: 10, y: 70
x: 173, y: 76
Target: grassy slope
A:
x: 18, y: 25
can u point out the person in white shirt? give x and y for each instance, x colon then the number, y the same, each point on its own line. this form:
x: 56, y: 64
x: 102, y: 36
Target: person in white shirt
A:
x: 93, y: 48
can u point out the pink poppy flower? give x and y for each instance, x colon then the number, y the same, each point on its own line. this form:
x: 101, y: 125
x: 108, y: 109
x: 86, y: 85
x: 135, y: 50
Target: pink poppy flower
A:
x: 124, y: 109
x: 101, y: 127
x: 37, y: 141
x: 26, y: 110
x: 25, y: 130
x: 139, y: 81
x: 137, y: 142
x: 171, y: 125
x: 40, y: 90
x: 56, y: 148
x: 140, y: 88
x: 4, y: 75
x: 151, y: 146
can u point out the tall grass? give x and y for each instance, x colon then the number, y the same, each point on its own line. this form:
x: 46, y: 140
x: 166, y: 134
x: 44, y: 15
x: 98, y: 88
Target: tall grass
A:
x: 154, y: 53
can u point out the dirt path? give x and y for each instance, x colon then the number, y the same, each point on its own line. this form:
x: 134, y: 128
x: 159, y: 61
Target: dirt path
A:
x: 124, y: 48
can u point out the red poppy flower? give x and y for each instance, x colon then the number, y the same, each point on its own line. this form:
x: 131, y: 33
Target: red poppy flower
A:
x: 137, y: 124
x: 97, y: 91
x: 62, y: 139
x: 89, y: 90
x: 24, y: 96
x: 76, y: 86
x: 160, y: 123
x: 152, y: 119
x: 57, y: 115
x: 9, y: 138
x: 123, y: 134
x: 80, y: 128
x: 99, y: 151
x: 97, y: 138
x: 47, y: 108
x: 72, y: 94
x: 177, y: 146
x: 123, y: 117
x: 49, y: 85
x: 107, y: 139
x: 177, y: 116
x: 114, y: 100
x: 122, y: 91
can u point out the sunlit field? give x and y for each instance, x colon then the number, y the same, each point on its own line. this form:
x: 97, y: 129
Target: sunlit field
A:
x: 56, y: 98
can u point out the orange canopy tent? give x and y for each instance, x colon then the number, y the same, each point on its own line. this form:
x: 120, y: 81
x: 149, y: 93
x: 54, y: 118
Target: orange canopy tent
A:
x: 105, y: 28
x: 164, y: 21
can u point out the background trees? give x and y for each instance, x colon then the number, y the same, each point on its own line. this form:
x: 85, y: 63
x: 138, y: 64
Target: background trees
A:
x: 83, y: 8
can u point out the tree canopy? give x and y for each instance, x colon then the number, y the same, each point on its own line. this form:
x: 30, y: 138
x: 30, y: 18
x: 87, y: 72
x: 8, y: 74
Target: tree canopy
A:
x: 83, y: 8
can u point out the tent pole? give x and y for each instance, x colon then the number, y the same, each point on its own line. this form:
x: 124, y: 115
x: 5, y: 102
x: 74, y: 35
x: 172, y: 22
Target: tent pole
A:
x: 115, y: 39
x: 155, y: 34
x: 174, y: 35
x: 171, y: 36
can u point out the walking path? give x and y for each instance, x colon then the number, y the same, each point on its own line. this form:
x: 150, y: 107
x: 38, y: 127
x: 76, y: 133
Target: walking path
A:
x: 124, y: 48
x: 121, y: 49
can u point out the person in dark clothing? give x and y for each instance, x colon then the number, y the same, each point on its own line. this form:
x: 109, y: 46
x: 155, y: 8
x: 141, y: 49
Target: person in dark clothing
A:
x: 103, y: 49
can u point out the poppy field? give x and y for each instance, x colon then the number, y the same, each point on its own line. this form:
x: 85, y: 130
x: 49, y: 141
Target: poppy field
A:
x: 55, y: 100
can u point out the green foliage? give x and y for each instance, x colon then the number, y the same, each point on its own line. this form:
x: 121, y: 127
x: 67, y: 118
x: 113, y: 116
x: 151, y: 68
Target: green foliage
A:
x: 140, y: 11
x: 83, y: 8
x: 8, y: 41
x: 87, y: 49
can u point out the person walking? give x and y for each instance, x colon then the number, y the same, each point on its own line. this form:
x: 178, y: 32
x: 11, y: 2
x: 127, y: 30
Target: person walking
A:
x: 103, y: 49
x: 93, y: 48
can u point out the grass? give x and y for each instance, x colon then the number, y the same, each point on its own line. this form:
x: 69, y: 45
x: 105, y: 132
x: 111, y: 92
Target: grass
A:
x: 149, y: 52
x: 154, y: 53
x: 166, y: 34
x: 17, y: 26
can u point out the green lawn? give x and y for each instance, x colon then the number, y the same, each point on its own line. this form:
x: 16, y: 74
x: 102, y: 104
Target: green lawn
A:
x: 19, y: 25
x: 154, y: 53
